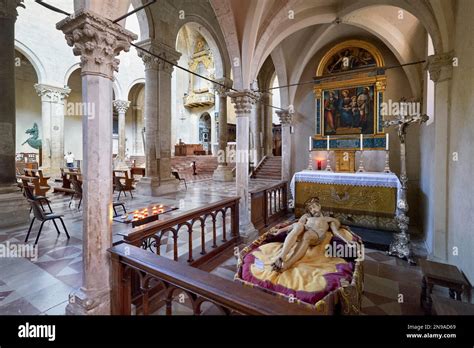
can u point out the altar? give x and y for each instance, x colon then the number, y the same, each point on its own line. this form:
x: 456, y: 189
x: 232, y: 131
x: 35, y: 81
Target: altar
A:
x: 357, y: 199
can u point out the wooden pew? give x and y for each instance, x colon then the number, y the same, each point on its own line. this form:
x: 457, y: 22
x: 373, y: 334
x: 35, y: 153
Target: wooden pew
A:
x: 66, y: 182
x: 34, y: 182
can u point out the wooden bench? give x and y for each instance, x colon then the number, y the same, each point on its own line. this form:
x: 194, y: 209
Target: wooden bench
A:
x: 447, y: 306
x: 66, y: 182
x: 34, y: 182
x: 38, y: 173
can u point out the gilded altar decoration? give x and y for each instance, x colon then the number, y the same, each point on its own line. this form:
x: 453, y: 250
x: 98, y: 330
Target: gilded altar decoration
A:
x: 201, y: 91
x: 349, y: 86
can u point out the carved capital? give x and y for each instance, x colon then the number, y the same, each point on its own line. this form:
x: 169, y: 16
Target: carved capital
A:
x: 97, y: 40
x: 243, y: 101
x: 161, y: 50
x: 440, y: 66
x: 121, y: 105
x: 8, y: 8
x: 52, y: 94
x: 286, y: 117
x: 221, y: 90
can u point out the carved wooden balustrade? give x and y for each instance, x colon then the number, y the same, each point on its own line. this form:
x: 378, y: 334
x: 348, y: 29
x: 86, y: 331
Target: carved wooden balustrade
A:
x: 174, y: 278
x: 269, y: 204
x: 149, y: 236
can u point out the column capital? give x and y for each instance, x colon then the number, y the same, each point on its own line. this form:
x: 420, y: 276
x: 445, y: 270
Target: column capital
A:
x: 97, y: 40
x: 440, y: 66
x: 243, y: 101
x: 286, y: 117
x: 8, y: 8
x: 121, y: 105
x: 52, y: 94
x: 221, y: 90
x: 160, y: 49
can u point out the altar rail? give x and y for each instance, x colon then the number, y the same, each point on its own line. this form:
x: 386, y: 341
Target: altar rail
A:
x: 175, y: 278
x: 269, y: 204
x: 149, y: 236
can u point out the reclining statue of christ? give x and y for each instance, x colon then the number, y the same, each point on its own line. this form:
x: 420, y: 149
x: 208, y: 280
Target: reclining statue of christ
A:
x: 309, y: 231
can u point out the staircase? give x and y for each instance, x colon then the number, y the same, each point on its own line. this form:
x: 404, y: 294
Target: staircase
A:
x: 269, y: 169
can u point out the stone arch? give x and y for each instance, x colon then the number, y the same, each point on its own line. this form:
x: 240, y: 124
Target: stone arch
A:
x: 69, y: 72
x: 34, y: 60
x: 221, y: 62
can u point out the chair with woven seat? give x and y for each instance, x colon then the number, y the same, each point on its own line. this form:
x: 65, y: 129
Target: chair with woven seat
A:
x: 40, y: 215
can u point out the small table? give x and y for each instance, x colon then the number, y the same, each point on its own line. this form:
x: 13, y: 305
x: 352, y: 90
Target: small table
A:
x: 449, y: 276
x: 447, y: 306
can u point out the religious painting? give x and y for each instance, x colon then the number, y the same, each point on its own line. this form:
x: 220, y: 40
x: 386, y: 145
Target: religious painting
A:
x: 349, y: 58
x: 349, y: 111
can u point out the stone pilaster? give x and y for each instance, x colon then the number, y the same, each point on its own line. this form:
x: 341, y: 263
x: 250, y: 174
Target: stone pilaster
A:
x: 98, y: 42
x: 223, y: 171
x: 157, y: 108
x: 286, y: 119
x: 440, y: 67
x: 52, y: 118
x: 244, y: 102
x: 13, y: 206
x: 121, y: 106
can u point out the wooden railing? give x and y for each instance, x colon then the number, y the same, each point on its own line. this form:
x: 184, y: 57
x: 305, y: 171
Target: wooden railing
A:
x: 149, y: 236
x: 269, y: 204
x: 178, y: 280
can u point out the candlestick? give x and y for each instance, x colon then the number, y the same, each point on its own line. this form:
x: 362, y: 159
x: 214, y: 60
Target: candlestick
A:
x: 386, y: 141
x: 361, y: 142
x: 327, y: 143
x: 361, y: 163
x: 310, y: 162
x: 328, y: 163
x: 387, y: 162
x: 310, y: 147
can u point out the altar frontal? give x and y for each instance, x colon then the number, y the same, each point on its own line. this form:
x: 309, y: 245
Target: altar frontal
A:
x: 360, y: 199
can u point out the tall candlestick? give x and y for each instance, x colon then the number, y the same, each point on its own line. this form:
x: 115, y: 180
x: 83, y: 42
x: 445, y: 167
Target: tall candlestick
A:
x: 361, y: 142
x: 386, y: 141
x: 327, y: 143
x: 310, y: 146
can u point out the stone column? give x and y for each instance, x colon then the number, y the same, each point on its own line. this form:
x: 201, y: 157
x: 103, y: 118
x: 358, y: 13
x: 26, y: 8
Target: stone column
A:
x: 13, y: 206
x: 158, y: 180
x: 255, y: 126
x: 286, y: 119
x: 244, y: 101
x: 97, y: 41
x: 52, y: 115
x: 267, y: 124
x: 440, y: 67
x: 138, y: 149
x: 223, y: 171
x: 121, y: 106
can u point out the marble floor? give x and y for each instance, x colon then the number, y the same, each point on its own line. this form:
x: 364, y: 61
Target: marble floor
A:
x: 41, y: 284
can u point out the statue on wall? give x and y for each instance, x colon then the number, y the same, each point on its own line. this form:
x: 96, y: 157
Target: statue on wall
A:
x: 309, y: 231
x: 33, y: 140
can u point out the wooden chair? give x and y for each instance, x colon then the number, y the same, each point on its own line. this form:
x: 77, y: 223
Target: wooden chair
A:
x: 176, y: 175
x: 28, y: 193
x: 77, y: 187
x: 40, y: 215
x: 123, y: 187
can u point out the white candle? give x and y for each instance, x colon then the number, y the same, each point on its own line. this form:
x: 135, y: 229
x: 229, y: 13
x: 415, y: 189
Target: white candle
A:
x: 310, y: 145
x: 386, y: 141
x: 327, y: 143
x: 361, y: 142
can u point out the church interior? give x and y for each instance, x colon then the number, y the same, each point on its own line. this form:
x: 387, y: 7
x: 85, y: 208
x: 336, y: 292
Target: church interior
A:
x: 250, y: 157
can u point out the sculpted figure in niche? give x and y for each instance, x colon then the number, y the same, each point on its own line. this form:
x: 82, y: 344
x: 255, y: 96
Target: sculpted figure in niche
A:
x: 309, y: 231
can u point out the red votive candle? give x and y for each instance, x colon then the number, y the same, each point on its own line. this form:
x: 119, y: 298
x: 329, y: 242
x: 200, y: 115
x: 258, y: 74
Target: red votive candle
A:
x: 320, y: 164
